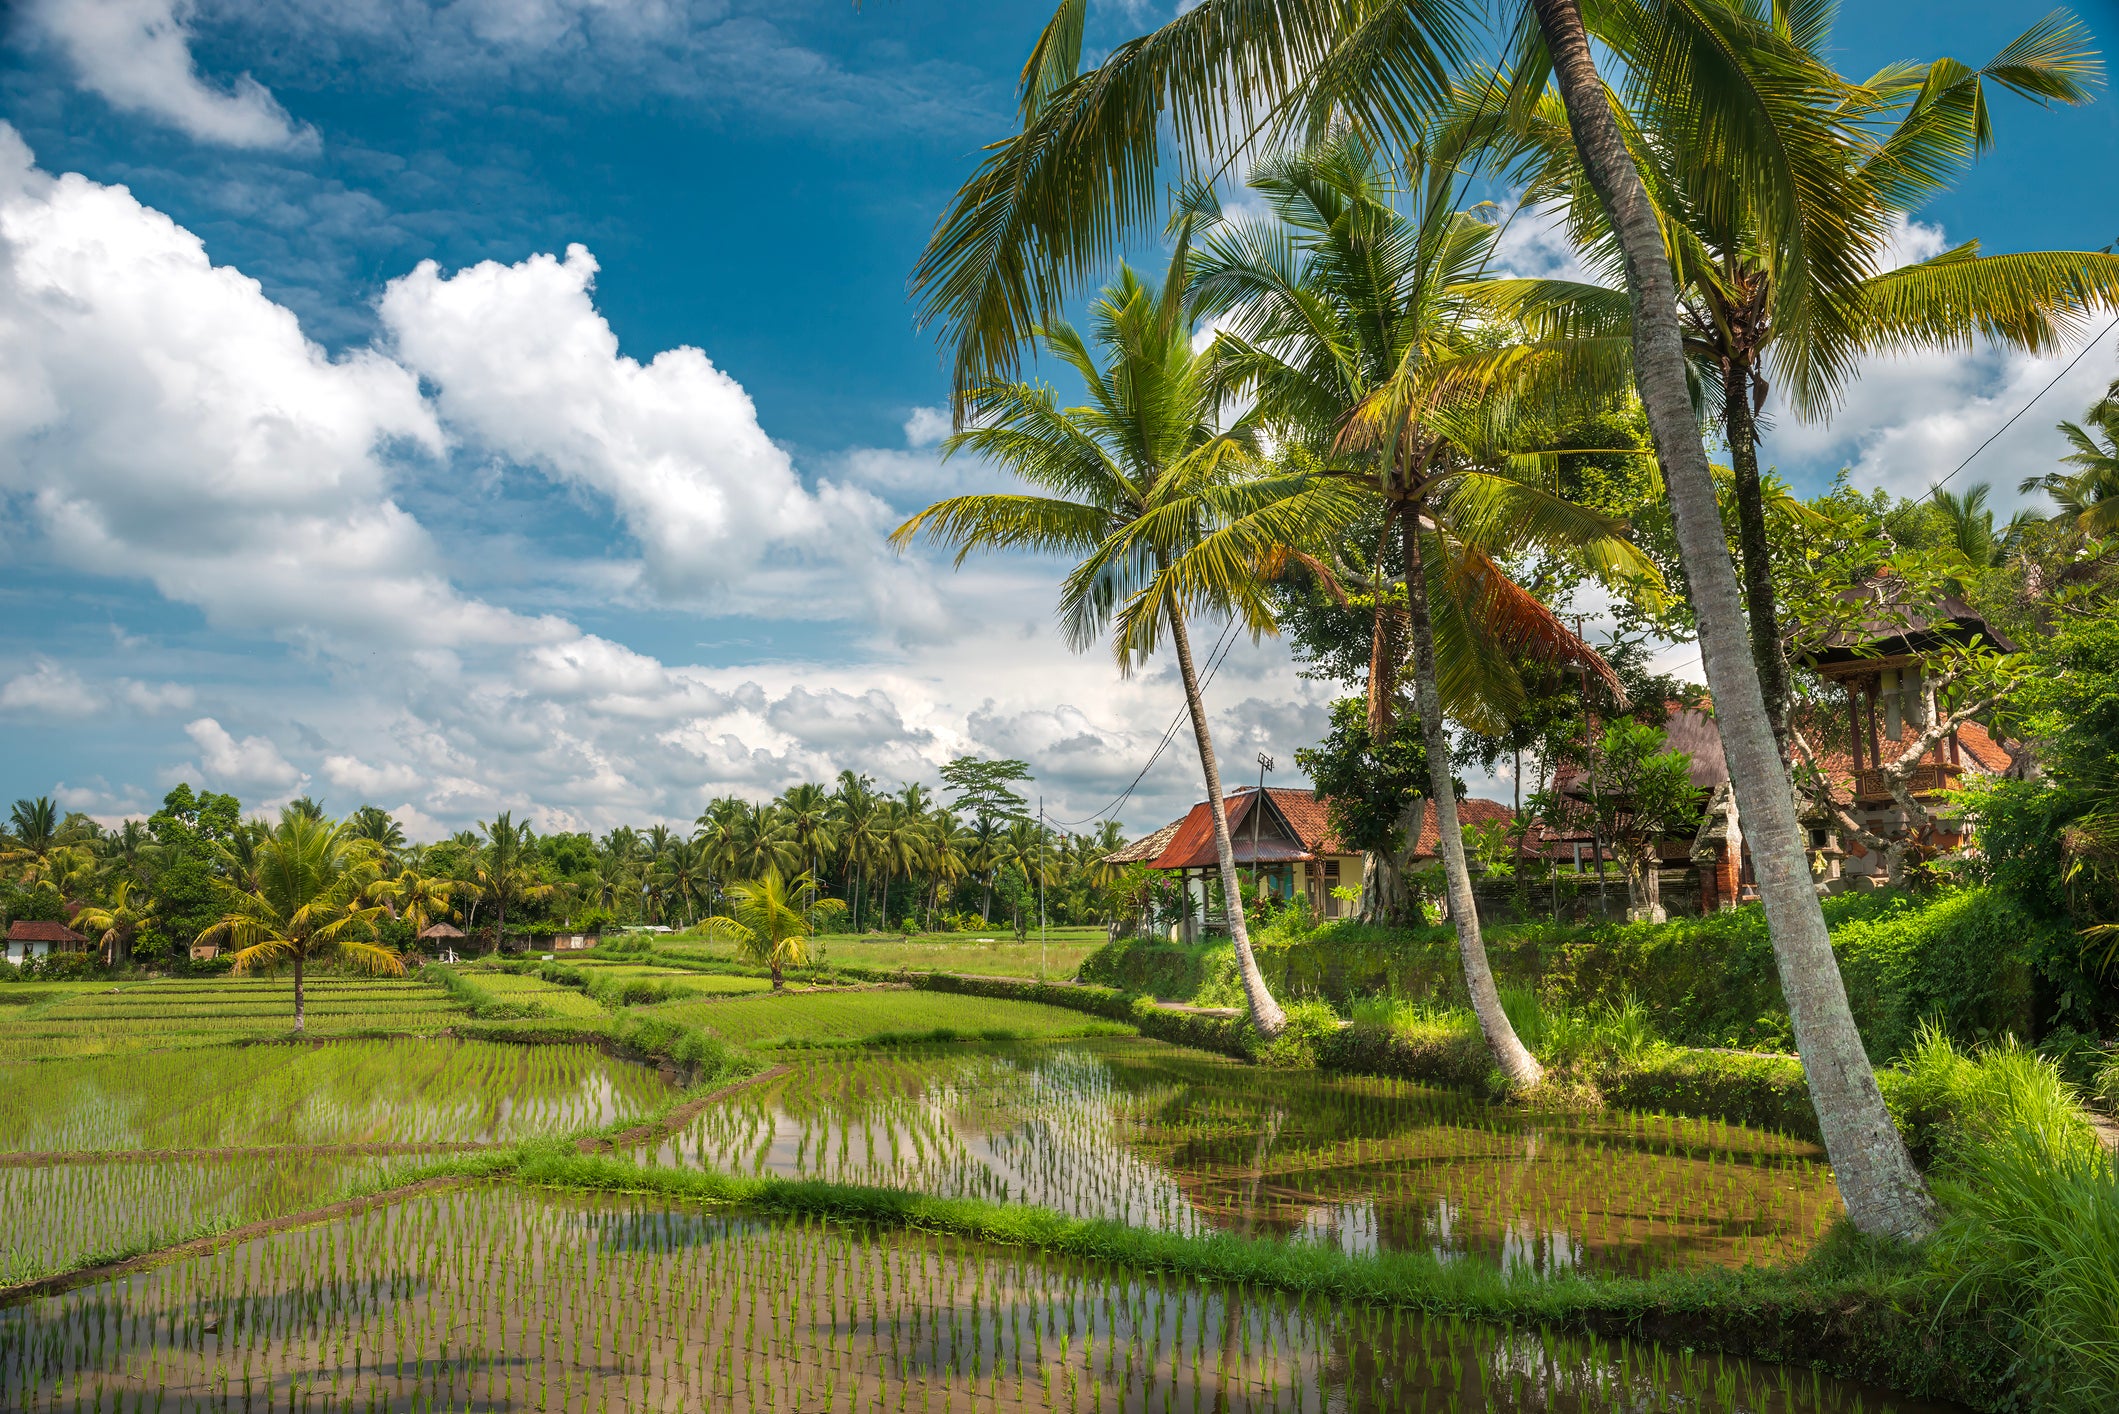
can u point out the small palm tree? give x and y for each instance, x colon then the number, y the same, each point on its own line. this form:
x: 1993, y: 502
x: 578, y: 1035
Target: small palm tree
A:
x: 312, y: 879
x: 1121, y: 482
x: 117, y: 923
x: 2087, y: 498
x: 770, y: 920
x: 416, y: 896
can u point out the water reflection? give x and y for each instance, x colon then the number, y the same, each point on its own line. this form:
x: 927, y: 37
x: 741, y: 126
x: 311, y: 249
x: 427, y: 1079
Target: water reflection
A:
x: 1160, y: 1137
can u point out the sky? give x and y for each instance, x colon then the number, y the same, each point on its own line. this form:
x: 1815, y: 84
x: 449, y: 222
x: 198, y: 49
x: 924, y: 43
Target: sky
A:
x: 475, y: 405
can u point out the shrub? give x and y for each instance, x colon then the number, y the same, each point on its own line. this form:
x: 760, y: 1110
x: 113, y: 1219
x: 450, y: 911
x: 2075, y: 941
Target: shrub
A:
x: 2032, y: 1226
x: 1310, y: 1026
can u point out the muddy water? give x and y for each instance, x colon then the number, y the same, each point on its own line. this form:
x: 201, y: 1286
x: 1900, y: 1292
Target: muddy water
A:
x: 1166, y: 1138
x: 506, y: 1299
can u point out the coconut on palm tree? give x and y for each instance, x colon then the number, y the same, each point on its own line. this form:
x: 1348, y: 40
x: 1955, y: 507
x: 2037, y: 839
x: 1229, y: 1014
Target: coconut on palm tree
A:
x: 308, y: 905
x: 1123, y: 481
x: 770, y: 920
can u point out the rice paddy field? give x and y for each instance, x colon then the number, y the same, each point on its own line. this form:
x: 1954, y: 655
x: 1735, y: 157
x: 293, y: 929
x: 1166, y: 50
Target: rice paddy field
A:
x: 136, y: 1128
x: 838, y: 1018
x: 501, y: 1298
x: 1157, y: 1137
x: 403, y: 1093
x: 989, y: 954
x: 161, y: 1014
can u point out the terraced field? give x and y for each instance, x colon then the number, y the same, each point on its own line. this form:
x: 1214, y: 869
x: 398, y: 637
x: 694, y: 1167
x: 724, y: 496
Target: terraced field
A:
x: 162, y: 1014
x: 399, y: 1092
x: 883, y: 1015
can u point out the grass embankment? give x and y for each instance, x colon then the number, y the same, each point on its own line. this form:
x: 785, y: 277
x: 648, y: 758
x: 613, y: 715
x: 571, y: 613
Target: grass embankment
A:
x: 995, y: 953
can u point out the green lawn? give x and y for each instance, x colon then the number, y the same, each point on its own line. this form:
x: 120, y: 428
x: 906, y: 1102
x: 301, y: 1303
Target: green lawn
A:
x: 853, y: 1018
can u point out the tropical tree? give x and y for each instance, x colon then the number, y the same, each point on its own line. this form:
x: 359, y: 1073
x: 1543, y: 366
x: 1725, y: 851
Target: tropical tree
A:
x: 1119, y: 482
x: 2087, y: 498
x: 307, y: 905
x: 1346, y: 316
x: 1882, y: 1190
x: 806, y: 818
x: 770, y: 920
x: 1787, y: 271
x: 415, y: 894
x: 379, y: 827
x: 119, y: 920
x: 1051, y: 203
x: 34, y: 833
x: 684, y: 873
x: 502, y: 872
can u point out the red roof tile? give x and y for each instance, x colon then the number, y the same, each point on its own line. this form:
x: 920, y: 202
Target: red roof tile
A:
x: 34, y: 930
x: 1189, y: 843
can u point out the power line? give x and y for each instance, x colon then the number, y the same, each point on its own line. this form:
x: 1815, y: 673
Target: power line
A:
x: 2114, y: 324
x: 1215, y: 656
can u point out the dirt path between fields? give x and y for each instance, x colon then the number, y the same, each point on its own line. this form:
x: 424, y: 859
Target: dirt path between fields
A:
x: 677, y: 1118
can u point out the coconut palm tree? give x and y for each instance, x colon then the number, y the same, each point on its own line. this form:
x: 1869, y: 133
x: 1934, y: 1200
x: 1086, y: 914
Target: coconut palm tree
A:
x: 899, y: 846
x: 805, y: 813
x: 308, y: 904
x: 1120, y: 482
x: 1344, y: 312
x: 118, y: 922
x: 1788, y: 274
x: 854, y: 806
x: 684, y: 872
x: 1882, y: 1190
x: 770, y: 920
x: 2087, y: 498
x: 35, y: 832
x: 1053, y: 202
x: 380, y: 828
x: 415, y: 895
x: 501, y: 872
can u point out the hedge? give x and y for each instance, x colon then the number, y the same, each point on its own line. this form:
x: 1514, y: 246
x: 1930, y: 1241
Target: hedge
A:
x: 1961, y: 958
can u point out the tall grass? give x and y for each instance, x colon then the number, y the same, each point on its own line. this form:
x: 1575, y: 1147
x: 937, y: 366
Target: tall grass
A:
x: 2031, y: 1213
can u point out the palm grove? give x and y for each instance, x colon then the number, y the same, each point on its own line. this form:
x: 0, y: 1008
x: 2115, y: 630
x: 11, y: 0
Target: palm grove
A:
x: 198, y: 872
x: 1379, y: 413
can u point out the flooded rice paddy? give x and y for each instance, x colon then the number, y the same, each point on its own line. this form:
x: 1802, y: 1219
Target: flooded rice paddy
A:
x: 1160, y: 1137
x: 499, y: 1298
x: 398, y: 1092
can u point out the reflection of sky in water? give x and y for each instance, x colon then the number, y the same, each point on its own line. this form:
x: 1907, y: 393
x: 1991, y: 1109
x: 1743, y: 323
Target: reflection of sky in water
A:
x: 1158, y: 1137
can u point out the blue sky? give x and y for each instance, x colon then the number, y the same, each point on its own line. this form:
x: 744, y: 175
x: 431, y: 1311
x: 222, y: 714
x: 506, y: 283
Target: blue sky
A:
x: 500, y: 404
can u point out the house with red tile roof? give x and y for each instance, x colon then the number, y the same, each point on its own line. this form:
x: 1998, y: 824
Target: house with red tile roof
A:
x: 29, y: 938
x: 1884, y: 669
x: 1285, y: 836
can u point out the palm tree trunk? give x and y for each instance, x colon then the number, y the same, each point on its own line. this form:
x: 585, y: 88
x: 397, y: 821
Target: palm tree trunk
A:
x: 299, y: 1020
x: 1876, y: 1178
x: 1741, y: 429
x: 1509, y: 1052
x: 1266, y: 1014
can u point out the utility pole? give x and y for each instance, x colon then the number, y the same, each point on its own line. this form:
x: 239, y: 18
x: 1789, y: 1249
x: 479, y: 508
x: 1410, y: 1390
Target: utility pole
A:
x: 1265, y: 764
x: 1041, y: 888
x: 1596, y: 803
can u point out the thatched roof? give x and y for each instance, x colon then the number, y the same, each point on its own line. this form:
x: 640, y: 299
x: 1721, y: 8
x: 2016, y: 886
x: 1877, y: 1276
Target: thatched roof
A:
x: 440, y: 930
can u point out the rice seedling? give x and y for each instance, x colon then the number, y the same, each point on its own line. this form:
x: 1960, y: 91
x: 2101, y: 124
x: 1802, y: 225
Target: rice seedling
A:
x: 502, y: 1299
x: 58, y: 1216
x: 1157, y: 1137
x: 882, y: 1016
x: 400, y: 1092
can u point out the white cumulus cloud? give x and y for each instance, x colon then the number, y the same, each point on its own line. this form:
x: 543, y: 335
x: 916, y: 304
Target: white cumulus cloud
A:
x: 252, y: 761
x: 137, y: 55
x: 528, y: 367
